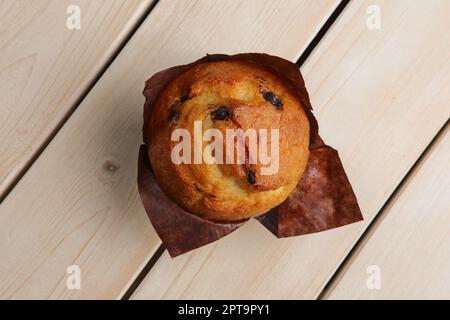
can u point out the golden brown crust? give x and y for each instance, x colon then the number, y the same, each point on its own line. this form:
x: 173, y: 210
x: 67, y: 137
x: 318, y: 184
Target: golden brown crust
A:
x: 255, y: 98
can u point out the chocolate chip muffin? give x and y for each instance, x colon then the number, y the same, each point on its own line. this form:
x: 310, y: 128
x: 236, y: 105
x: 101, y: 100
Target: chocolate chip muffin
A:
x: 201, y: 116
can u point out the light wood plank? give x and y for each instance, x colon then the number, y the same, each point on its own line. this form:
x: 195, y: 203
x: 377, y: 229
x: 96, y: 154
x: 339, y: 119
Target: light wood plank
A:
x: 79, y: 204
x: 380, y: 97
x: 45, y: 68
x: 411, y: 243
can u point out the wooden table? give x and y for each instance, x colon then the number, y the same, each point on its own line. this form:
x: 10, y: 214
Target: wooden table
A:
x: 71, y: 77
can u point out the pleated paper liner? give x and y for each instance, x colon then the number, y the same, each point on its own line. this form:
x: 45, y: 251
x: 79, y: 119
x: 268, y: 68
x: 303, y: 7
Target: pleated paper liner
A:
x: 322, y: 200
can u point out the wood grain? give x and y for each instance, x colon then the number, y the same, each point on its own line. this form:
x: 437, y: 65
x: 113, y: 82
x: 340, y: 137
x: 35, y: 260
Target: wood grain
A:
x: 380, y: 97
x: 45, y: 68
x: 78, y: 203
x: 410, y: 243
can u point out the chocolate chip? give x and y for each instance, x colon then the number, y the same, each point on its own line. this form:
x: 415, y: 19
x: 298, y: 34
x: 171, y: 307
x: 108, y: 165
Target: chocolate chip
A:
x: 221, y: 113
x: 251, y: 177
x: 174, y: 114
x: 273, y: 99
x: 184, y: 98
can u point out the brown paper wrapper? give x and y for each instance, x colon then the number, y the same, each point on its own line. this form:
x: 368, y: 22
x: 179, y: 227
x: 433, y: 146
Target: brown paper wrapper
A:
x: 323, y: 199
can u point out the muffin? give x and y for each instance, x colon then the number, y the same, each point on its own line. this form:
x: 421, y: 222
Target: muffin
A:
x: 197, y: 120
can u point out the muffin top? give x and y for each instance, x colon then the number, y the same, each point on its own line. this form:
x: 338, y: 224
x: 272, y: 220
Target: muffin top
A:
x: 228, y: 140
